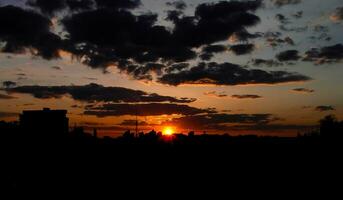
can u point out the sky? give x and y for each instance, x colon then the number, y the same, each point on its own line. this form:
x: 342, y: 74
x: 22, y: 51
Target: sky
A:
x: 270, y: 67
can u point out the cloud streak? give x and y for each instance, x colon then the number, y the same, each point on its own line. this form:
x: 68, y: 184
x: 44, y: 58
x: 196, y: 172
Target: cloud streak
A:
x: 229, y: 74
x: 153, y: 109
x: 246, y: 96
x: 96, y: 93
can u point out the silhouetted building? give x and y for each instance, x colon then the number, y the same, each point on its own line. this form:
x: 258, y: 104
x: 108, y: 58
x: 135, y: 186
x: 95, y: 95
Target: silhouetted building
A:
x: 45, y: 123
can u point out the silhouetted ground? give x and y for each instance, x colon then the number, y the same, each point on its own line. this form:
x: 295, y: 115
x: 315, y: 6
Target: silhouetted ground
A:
x: 151, y: 164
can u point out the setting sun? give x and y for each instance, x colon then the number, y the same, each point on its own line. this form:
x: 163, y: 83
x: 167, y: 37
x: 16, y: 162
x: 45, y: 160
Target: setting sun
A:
x: 168, y: 131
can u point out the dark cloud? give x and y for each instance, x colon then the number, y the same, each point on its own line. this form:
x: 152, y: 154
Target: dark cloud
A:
x: 268, y: 63
x: 321, y: 33
x: 282, y: 19
x: 133, y: 123
x: 337, y: 15
x: 95, y: 92
x: 78, y: 5
x: 242, y: 49
x: 108, y: 41
x: 177, y: 67
x: 273, y: 127
x: 211, y: 121
x: 229, y: 74
x: 214, y: 49
x: 289, y: 55
x: 49, y: 7
x: 118, y: 4
x: 8, y: 114
x: 303, y: 90
x: 297, y: 29
x: 153, y: 109
x: 274, y: 39
x: 323, y: 55
x: 215, y: 22
x: 52, y: 7
x: 246, y: 96
x: 23, y: 29
x: 289, y: 41
x: 325, y: 108
x: 280, y: 3
x: 140, y: 40
x: 103, y: 33
x: 209, y: 51
x: 298, y: 14
x: 4, y: 96
x: 8, y: 84
x: 179, y: 4
x: 215, y: 94
x: 56, y: 67
x: 321, y: 29
x: 243, y: 36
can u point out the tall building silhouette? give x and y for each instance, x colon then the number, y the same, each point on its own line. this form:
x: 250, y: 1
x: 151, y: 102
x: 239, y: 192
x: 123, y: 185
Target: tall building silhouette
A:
x: 45, y: 123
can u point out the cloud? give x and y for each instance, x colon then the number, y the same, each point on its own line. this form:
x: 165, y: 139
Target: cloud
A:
x: 215, y: 94
x: 229, y: 74
x: 289, y: 55
x: 94, y: 92
x: 337, y: 15
x: 298, y: 14
x: 246, y: 96
x: 264, y: 62
x: 141, y: 40
x: 79, y: 5
x: 273, y: 127
x: 212, y: 121
x: 152, y: 109
x: 326, y: 54
x: 24, y: 29
x: 176, y: 67
x: 9, y: 84
x: 133, y: 123
x: 8, y: 114
x: 47, y: 7
x: 303, y: 90
x: 104, y: 33
x: 325, y: 108
x: 118, y: 4
x: 243, y: 36
x: 242, y: 49
x: 280, y: 3
x: 321, y: 33
x: 179, y: 5
x: 274, y: 39
x: 297, y: 29
x: 282, y: 19
x: 91, y: 78
x: 3, y: 96
x: 52, y: 7
x: 209, y: 51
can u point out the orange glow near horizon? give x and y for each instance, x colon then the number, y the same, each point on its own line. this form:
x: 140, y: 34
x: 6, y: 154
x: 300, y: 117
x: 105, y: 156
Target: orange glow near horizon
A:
x: 168, y: 131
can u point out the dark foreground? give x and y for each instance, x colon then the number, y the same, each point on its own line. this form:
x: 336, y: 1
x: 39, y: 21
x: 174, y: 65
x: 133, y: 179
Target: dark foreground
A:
x: 79, y: 165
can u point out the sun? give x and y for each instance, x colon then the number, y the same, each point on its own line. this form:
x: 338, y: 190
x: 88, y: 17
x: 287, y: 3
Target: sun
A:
x: 168, y: 131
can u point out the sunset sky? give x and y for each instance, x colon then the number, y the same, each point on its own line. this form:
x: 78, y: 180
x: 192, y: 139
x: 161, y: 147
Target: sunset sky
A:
x: 271, y: 67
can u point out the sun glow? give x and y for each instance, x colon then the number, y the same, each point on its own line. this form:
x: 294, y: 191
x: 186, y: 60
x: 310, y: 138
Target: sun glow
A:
x: 168, y: 131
